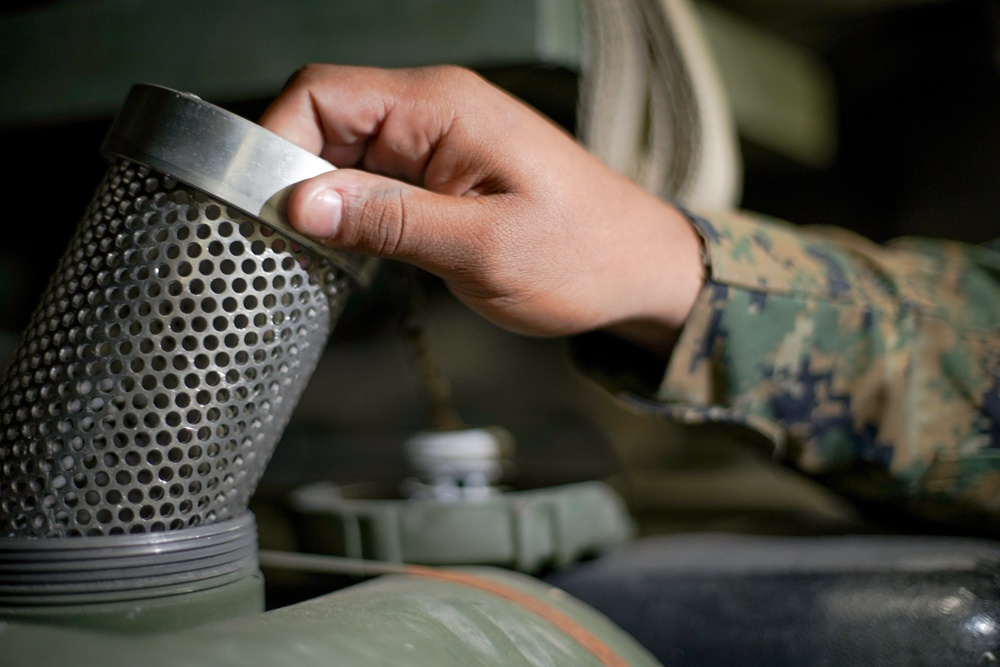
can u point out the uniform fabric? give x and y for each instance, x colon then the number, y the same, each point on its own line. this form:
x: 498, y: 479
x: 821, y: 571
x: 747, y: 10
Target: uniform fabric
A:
x: 848, y: 356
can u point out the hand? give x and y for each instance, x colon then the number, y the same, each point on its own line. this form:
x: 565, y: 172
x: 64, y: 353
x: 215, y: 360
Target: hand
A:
x: 444, y: 171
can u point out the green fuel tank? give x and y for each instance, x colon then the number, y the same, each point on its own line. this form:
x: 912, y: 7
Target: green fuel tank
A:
x: 435, y: 617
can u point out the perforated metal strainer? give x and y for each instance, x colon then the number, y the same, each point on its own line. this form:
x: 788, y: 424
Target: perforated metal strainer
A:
x: 175, y: 337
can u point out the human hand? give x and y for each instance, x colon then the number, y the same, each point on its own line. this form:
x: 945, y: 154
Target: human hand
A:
x: 444, y: 171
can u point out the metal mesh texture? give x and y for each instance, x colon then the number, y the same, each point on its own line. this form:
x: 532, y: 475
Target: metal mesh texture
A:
x: 161, y: 365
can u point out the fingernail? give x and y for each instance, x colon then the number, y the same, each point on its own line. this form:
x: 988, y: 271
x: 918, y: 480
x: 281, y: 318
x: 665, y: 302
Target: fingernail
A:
x: 322, y: 214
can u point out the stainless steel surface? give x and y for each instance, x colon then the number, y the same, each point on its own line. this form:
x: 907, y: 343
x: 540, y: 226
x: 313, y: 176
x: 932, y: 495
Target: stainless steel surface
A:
x: 161, y: 366
x: 175, y: 338
x: 34, y: 572
x: 217, y: 152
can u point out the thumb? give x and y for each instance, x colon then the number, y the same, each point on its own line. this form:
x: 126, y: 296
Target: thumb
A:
x: 375, y: 215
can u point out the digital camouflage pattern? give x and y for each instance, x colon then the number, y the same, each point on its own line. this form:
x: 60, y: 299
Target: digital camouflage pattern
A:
x: 843, y: 352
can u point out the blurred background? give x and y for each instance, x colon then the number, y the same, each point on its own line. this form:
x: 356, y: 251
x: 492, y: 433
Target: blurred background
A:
x: 882, y: 116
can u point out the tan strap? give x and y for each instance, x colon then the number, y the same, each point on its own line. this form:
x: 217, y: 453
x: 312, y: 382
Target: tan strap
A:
x: 652, y: 105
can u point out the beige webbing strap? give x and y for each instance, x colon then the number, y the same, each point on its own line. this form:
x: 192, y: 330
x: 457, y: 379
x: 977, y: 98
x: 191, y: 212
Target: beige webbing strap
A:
x: 651, y: 103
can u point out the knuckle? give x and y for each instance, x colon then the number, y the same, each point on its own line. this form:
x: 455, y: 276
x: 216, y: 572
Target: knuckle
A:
x: 303, y: 76
x: 489, y: 247
x: 455, y: 77
x: 455, y: 72
x: 383, y: 223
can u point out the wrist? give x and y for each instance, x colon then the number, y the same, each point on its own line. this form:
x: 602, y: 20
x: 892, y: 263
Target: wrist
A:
x: 665, y: 273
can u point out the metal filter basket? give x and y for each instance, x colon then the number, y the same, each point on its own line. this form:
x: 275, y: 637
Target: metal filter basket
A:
x: 171, y: 346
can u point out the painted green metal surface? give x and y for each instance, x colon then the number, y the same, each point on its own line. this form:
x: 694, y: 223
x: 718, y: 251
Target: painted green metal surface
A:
x: 78, y: 58
x: 393, y: 620
x: 523, y: 530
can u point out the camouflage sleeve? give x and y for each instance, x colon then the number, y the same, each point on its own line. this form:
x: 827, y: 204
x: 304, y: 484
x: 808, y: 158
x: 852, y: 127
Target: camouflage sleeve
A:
x: 848, y: 355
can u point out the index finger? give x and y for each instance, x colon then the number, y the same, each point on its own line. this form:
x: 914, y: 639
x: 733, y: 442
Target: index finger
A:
x: 331, y: 111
